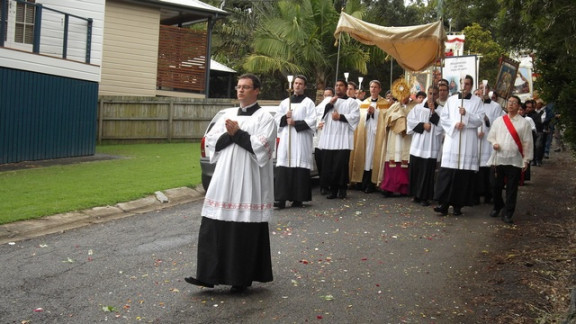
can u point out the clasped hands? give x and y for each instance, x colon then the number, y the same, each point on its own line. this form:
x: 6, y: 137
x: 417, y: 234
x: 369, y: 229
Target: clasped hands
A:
x: 232, y: 127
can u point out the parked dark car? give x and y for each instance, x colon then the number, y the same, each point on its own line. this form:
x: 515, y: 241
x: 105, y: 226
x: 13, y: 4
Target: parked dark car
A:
x: 208, y: 168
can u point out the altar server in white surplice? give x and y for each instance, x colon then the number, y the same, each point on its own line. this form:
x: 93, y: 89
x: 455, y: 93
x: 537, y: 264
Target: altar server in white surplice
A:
x: 492, y: 110
x: 460, y: 119
x: 424, y: 126
x: 233, y: 241
x: 340, y: 116
x: 296, y: 120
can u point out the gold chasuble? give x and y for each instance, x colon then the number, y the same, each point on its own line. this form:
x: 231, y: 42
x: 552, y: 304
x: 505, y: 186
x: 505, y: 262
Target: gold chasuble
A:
x: 392, y: 122
x: 358, y: 155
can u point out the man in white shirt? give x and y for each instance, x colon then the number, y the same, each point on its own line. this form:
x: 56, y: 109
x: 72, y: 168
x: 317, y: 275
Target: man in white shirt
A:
x: 511, y: 139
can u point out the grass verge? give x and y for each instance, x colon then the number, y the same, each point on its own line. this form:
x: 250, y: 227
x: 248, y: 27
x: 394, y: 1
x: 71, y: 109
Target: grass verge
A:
x: 140, y: 170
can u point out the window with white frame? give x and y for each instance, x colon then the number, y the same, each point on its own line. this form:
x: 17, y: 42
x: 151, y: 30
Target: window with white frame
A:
x: 24, y: 23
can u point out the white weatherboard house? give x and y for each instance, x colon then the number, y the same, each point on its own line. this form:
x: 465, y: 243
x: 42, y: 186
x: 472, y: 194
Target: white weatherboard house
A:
x: 147, y: 54
x: 58, y: 56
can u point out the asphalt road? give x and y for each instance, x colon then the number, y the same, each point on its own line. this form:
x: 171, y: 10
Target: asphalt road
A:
x: 365, y: 259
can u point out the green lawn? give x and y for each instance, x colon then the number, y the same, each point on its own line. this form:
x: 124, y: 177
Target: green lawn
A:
x: 141, y: 170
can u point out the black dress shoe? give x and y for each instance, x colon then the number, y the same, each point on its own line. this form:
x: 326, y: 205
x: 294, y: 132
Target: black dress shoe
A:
x: 417, y: 200
x: 443, y: 210
x: 342, y: 194
x: 297, y: 204
x: 495, y: 213
x: 507, y: 219
x: 424, y: 203
x: 369, y: 190
x: 331, y: 196
x: 457, y: 212
x: 280, y: 204
x: 197, y: 282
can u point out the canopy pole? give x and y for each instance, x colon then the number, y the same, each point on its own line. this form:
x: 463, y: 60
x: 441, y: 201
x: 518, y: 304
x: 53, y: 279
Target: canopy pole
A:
x: 339, y: 42
x: 391, y: 68
x: 338, y: 58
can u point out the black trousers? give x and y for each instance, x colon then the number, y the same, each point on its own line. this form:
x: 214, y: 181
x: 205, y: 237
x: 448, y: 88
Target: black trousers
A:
x: 509, y: 176
x: 539, y: 146
x: 335, y: 165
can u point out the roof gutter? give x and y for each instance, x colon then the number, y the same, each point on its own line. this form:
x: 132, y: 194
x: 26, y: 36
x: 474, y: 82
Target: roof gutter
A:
x: 161, y: 4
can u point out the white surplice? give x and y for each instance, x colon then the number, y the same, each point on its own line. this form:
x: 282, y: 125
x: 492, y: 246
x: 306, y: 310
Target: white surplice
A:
x: 338, y: 135
x: 300, y: 142
x: 242, y: 187
x: 492, y: 110
x: 371, y: 126
x: 460, y: 150
x: 424, y: 145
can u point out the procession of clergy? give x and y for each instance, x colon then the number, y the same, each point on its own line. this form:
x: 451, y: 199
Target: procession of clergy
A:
x: 394, y: 144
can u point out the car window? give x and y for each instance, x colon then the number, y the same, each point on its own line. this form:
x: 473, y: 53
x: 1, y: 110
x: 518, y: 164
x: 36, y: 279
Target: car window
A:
x: 214, y: 120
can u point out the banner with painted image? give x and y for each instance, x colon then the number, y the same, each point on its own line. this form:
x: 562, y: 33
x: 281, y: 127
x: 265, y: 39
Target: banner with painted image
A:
x: 456, y: 68
x: 523, y: 86
x: 419, y: 80
x: 506, y: 77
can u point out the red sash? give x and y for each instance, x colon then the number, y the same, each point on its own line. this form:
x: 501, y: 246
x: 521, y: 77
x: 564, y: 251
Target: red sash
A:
x: 516, y: 138
x: 514, y: 134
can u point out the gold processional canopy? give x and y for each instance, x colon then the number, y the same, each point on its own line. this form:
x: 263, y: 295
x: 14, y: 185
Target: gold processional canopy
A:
x: 413, y: 47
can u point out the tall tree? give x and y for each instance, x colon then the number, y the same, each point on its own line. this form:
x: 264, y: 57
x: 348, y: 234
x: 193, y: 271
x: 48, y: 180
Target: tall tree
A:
x: 233, y: 36
x: 297, y: 37
x: 462, y: 13
x: 548, y: 28
x: 479, y: 41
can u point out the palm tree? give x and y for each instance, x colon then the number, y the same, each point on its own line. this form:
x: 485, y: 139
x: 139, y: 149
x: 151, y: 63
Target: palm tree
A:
x: 233, y: 36
x: 298, y: 37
